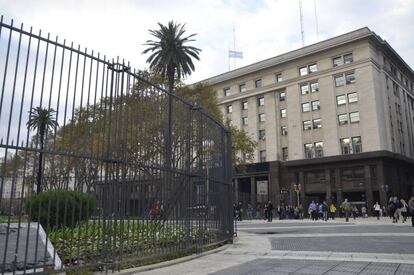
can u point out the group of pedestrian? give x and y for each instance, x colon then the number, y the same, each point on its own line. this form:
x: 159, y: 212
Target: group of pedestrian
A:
x: 398, y: 209
x: 322, y: 211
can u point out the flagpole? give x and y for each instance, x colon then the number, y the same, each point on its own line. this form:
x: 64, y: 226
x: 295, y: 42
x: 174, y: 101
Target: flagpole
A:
x: 234, y: 45
x: 228, y: 54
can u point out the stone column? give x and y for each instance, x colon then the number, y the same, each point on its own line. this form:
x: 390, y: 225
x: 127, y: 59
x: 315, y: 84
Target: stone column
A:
x: 236, y: 190
x: 368, y: 187
x: 338, y: 186
x: 253, y: 195
x: 274, y: 183
x: 381, y: 184
x: 301, y: 180
x: 328, y: 184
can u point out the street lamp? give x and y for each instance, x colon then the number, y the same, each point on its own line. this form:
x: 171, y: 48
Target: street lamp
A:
x: 297, y: 188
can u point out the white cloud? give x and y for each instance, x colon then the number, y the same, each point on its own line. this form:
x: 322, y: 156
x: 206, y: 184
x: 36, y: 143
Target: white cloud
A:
x: 263, y: 28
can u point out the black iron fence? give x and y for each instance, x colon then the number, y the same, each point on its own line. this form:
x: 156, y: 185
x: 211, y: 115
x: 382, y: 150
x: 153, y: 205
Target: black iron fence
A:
x: 99, y: 166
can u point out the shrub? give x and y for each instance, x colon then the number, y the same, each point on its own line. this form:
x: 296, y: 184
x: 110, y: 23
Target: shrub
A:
x: 60, y: 208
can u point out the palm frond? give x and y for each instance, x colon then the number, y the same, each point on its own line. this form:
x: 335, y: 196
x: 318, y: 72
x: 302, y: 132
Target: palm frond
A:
x: 169, y: 54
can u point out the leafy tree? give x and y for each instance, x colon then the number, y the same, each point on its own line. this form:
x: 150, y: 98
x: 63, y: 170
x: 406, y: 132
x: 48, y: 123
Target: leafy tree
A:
x: 41, y: 119
x: 204, y: 95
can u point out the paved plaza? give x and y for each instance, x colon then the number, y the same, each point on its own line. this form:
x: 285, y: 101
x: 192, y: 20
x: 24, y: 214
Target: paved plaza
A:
x: 362, y: 246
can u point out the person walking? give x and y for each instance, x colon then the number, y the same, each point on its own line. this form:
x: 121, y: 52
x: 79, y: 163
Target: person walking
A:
x: 377, y: 209
x: 239, y: 212
x: 364, y: 212
x: 312, y: 210
x: 397, y: 207
x: 269, y: 211
x: 325, y: 209
x: 332, y: 211
x: 404, y: 210
x: 411, y: 208
x: 347, y: 208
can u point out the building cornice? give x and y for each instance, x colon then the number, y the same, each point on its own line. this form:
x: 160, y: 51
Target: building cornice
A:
x: 363, y: 33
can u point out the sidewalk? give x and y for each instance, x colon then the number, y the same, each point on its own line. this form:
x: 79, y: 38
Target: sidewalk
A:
x: 258, y: 249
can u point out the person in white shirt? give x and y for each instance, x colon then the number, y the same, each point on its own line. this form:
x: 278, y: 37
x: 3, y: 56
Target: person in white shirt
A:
x: 377, y: 209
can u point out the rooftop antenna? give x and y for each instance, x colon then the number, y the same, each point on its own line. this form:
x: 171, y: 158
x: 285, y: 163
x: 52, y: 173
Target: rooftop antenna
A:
x: 316, y: 19
x: 302, y: 32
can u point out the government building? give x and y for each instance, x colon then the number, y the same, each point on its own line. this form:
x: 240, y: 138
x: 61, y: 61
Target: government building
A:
x: 332, y: 120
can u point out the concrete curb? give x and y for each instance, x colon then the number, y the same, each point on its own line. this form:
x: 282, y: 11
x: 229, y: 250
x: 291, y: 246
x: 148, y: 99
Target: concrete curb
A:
x: 171, y: 262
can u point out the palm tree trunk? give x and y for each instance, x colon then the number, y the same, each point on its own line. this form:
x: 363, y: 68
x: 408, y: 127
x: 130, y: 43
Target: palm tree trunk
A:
x: 170, y: 73
x: 40, y: 165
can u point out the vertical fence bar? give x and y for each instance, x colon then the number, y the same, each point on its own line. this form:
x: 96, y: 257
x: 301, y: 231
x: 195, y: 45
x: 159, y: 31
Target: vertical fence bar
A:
x: 121, y: 139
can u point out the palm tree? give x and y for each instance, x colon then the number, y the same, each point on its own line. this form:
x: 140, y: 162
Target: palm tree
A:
x: 169, y: 57
x: 41, y: 119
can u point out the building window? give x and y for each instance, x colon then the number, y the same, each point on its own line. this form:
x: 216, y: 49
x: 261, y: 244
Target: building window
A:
x: 337, y: 61
x: 260, y: 101
x: 343, y: 119
x: 229, y: 109
x: 308, y: 150
x: 262, y: 134
x: 306, y: 107
x: 245, y: 121
x: 303, y: 71
x: 226, y: 91
x: 304, y: 88
x: 262, y: 156
x: 345, y: 146
x: 285, y: 153
x: 258, y: 83
x: 245, y: 105
x: 242, y: 88
x: 348, y: 58
x: 350, y: 78
x: 308, y: 69
x: 317, y: 123
x: 283, y: 113
x: 262, y: 117
x: 354, y: 117
x: 319, y: 149
x: 341, y: 100
x: 282, y: 96
x: 279, y: 77
x: 314, y: 87
x: 339, y: 80
x: 312, y: 68
x: 352, y: 97
x: 307, y: 125
x: 340, y: 60
x: 284, y: 130
x: 356, y: 145
x: 316, y: 105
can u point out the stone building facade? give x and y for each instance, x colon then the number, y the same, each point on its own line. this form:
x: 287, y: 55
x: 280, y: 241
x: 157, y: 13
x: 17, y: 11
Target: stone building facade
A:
x: 336, y: 117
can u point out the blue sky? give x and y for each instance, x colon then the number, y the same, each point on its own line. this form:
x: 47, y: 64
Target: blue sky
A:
x: 264, y: 28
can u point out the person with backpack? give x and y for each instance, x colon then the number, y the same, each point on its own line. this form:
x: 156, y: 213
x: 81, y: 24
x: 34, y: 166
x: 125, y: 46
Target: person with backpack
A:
x: 391, y: 209
x: 397, y: 210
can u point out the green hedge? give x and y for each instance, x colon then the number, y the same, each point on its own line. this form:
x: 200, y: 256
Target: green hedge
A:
x: 60, y: 208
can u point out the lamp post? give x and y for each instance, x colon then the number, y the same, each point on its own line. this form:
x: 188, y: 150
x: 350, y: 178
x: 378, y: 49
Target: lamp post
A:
x: 297, y: 188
